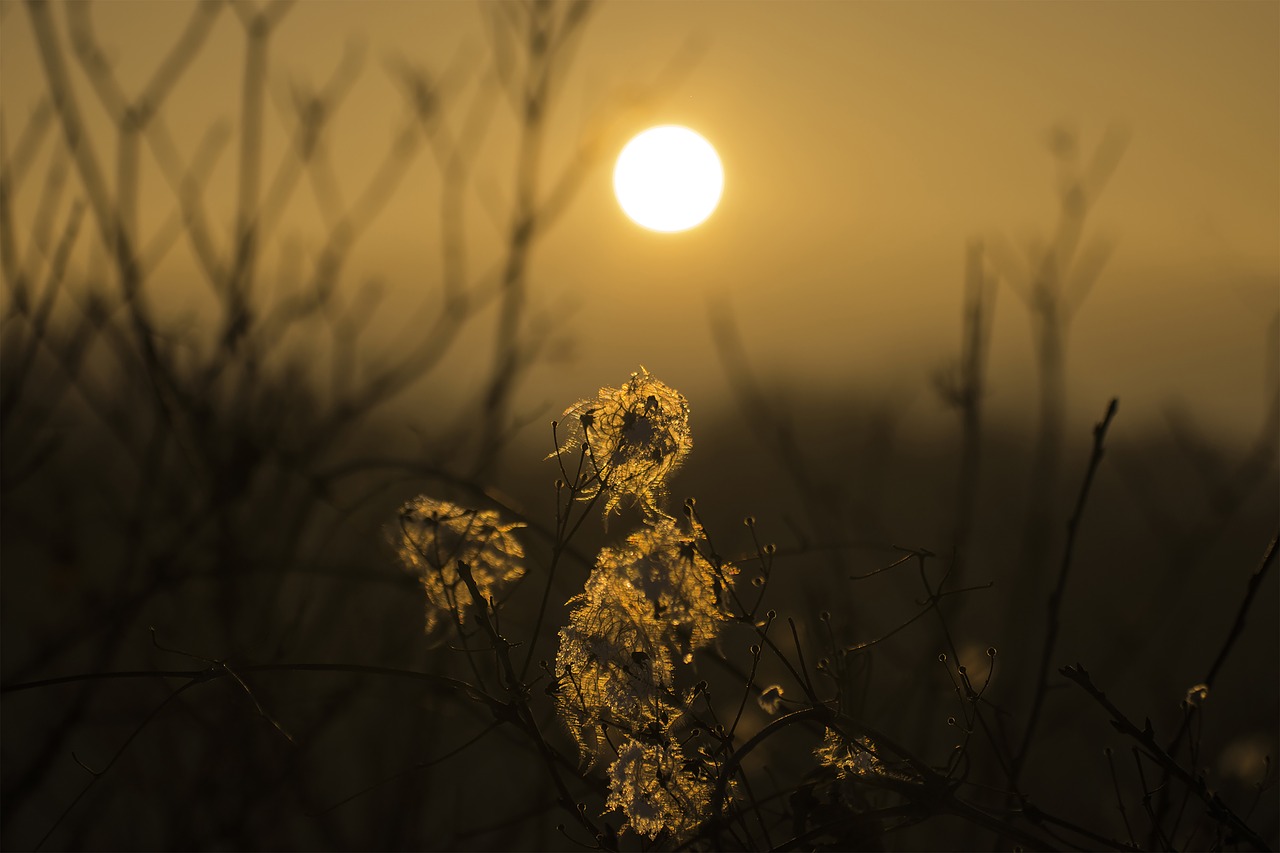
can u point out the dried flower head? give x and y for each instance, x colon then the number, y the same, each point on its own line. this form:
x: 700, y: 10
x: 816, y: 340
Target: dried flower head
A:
x: 612, y: 664
x: 646, y: 605
x: 1196, y: 694
x: 684, y: 591
x: 432, y: 536
x: 849, y: 757
x: 770, y: 699
x: 658, y: 788
x: 634, y: 437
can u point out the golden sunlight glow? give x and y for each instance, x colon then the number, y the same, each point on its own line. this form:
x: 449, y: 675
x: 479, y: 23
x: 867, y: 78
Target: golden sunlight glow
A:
x: 668, y: 179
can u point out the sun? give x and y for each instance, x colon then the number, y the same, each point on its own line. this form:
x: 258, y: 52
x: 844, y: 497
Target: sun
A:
x: 668, y: 179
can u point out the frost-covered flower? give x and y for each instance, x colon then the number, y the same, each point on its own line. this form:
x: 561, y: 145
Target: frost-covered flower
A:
x: 432, y: 536
x: 684, y: 591
x: 658, y: 788
x: 634, y: 437
x: 646, y: 605
x: 849, y: 757
x: 613, y: 665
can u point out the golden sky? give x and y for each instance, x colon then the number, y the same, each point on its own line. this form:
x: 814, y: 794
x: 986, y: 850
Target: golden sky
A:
x: 864, y: 143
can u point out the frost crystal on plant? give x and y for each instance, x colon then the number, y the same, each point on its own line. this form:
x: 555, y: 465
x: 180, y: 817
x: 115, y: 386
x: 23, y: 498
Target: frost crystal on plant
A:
x: 658, y: 788
x: 849, y: 758
x: 634, y: 437
x: 432, y: 536
x: 614, y: 668
x: 647, y: 605
x: 685, y: 592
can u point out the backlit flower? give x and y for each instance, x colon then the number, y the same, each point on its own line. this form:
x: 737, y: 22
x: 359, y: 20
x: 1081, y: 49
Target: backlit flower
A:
x: 612, y: 663
x: 658, y: 788
x: 432, y: 536
x: 682, y: 588
x: 646, y: 606
x: 634, y: 437
x: 849, y: 757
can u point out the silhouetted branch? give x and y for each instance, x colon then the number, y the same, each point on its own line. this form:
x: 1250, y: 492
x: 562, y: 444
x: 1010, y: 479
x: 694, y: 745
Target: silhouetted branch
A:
x: 95, y: 775
x: 39, y: 247
x: 15, y: 165
x: 189, y: 217
x: 965, y: 390
x: 186, y: 183
x: 1145, y: 737
x: 62, y: 95
x: 1192, y: 711
x: 1053, y: 624
x: 1052, y: 282
x: 1237, y: 627
x: 217, y: 671
x: 40, y: 318
x: 518, y: 707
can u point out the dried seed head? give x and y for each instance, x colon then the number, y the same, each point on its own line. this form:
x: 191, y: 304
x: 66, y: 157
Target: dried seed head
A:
x: 432, y: 536
x: 770, y: 699
x: 849, y: 757
x: 647, y: 606
x: 634, y: 438
x: 658, y: 788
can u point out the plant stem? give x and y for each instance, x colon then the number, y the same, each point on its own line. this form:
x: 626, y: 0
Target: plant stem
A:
x: 1055, y: 599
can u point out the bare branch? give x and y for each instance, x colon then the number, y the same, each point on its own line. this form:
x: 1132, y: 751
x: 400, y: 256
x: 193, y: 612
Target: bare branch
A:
x: 1055, y: 598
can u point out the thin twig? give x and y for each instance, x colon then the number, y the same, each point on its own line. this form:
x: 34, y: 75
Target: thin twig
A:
x: 1115, y: 782
x: 1237, y: 628
x: 1145, y: 737
x: 1055, y: 599
x: 98, y: 774
x: 421, y: 765
x: 450, y: 685
x: 518, y: 708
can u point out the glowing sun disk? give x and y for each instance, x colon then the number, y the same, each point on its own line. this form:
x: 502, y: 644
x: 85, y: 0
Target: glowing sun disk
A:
x: 668, y: 179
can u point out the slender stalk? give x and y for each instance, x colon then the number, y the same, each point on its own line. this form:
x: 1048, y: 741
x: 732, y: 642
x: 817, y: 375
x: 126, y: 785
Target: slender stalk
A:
x: 213, y: 673
x: 253, y: 90
x: 518, y: 708
x: 1145, y: 737
x: 1233, y: 634
x: 1055, y: 598
x: 979, y: 308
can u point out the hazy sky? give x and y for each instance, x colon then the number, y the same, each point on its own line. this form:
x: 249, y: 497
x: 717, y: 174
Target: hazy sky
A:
x: 863, y: 143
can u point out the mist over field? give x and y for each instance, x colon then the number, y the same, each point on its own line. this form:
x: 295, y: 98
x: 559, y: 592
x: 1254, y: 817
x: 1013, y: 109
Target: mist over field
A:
x: 864, y: 148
